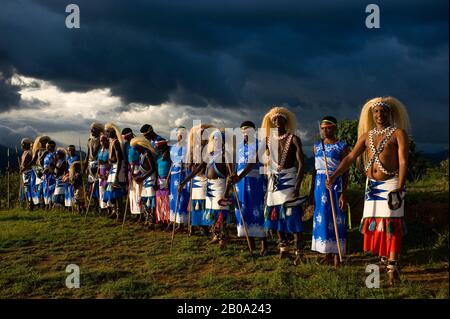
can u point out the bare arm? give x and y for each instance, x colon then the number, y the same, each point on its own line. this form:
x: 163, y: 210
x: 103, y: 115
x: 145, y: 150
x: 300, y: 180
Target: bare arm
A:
x: 403, y: 143
x: 196, y: 170
x: 359, y: 148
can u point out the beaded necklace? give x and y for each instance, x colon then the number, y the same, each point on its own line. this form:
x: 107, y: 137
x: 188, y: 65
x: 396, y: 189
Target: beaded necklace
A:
x: 377, y: 151
x: 285, y: 149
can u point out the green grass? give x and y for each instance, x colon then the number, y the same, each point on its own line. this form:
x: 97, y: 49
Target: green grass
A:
x: 36, y: 247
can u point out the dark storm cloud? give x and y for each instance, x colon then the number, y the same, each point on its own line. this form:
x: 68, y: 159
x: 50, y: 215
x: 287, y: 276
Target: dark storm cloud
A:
x: 316, y: 57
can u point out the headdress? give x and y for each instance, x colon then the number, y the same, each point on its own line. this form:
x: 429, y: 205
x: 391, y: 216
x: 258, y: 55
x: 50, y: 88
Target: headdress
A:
x: 39, y: 143
x: 97, y: 126
x: 25, y: 141
x: 143, y: 142
x: 399, y: 116
x: 116, y: 129
x: 160, y: 141
x: 329, y: 120
x: 193, y: 143
x: 291, y: 122
x: 72, y: 168
x: 146, y: 128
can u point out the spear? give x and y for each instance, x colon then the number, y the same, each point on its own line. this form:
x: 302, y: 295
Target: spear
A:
x: 336, y: 231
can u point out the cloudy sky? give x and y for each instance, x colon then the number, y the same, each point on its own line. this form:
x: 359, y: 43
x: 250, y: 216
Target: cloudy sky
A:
x: 170, y: 62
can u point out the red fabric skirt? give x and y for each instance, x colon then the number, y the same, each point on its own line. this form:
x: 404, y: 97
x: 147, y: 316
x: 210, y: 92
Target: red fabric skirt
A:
x: 382, y: 236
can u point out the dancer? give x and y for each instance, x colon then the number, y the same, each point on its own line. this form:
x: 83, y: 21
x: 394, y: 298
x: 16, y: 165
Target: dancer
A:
x: 178, y: 155
x: 285, y: 174
x: 132, y: 164
x: 91, y: 159
x: 251, y: 187
x: 116, y: 183
x: 72, y: 157
x: 76, y: 180
x: 60, y: 184
x: 26, y: 171
x: 103, y: 170
x: 383, y: 141
x: 39, y: 153
x: 324, y: 236
x: 48, y: 172
x: 196, y: 146
x: 145, y: 177
x: 162, y: 194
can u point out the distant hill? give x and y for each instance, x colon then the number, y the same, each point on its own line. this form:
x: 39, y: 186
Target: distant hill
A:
x: 4, y: 158
x: 436, y: 158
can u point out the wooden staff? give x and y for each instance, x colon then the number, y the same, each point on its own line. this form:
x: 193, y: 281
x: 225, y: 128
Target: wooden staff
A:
x: 21, y: 188
x: 92, y: 191
x: 175, y: 221
x: 190, y: 209
x: 241, y: 214
x: 82, y: 168
x: 330, y: 191
x: 126, y: 206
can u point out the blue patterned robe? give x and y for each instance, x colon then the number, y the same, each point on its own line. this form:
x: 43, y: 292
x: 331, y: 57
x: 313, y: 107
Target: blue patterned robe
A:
x: 177, y: 175
x: 324, y: 237
x: 250, y: 190
x: 49, y: 181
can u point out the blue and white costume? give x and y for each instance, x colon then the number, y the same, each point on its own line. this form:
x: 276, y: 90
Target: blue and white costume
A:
x: 134, y: 192
x: 60, y: 187
x: 177, y: 175
x: 324, y: 237
x: 280, y: 189
x: 103, y: 170
x: 250, y: 190
x: 69, y: 191
x: 49, y: 179
x: 148, y: 192
x: 215, y: 190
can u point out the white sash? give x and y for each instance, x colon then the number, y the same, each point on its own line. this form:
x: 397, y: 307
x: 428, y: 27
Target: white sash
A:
x: 376, y: 198
x: 281, y: 186
x: 214, y: 192
x: 199, y: 193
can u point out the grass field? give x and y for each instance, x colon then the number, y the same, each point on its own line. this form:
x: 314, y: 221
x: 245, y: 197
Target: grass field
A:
x: 36, y: 247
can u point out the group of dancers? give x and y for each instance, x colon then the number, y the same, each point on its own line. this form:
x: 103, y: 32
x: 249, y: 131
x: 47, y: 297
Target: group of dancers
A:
x: 193, y: 183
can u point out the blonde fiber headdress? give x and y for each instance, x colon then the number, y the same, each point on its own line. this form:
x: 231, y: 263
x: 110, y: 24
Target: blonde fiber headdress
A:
x: 291, y: 121
x: 399, y: 116
x: 142, y: 141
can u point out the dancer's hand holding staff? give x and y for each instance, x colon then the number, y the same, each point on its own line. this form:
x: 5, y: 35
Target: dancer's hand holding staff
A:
x: 330, y: 191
